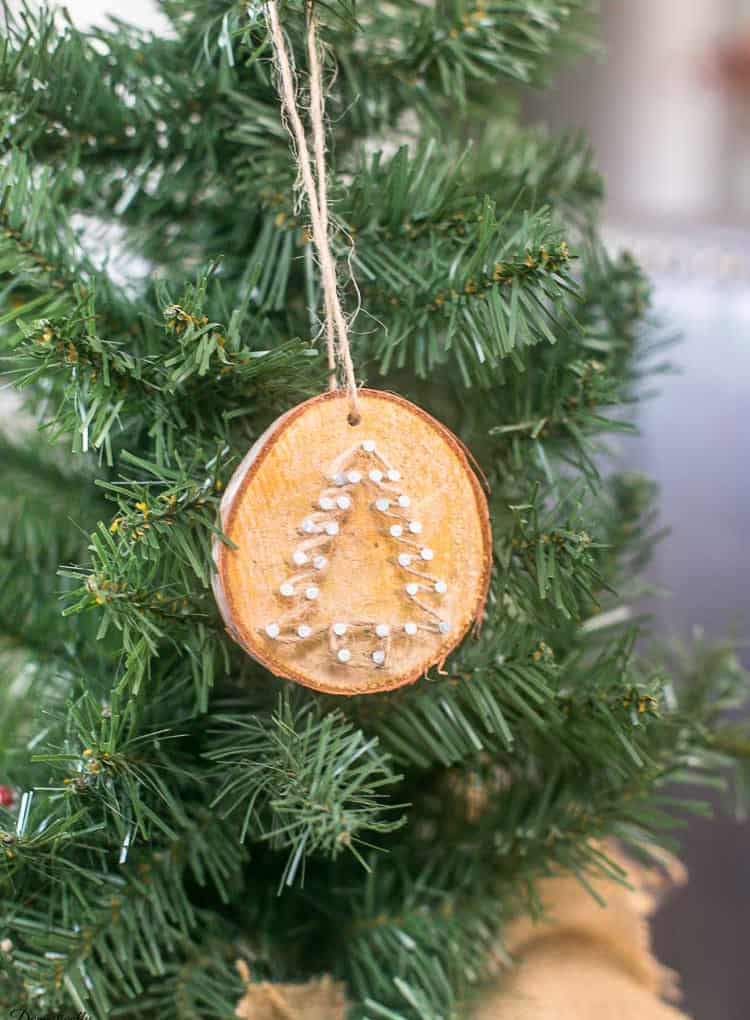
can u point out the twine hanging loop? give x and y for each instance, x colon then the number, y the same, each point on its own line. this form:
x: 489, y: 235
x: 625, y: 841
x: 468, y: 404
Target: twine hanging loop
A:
x: 315, y: 186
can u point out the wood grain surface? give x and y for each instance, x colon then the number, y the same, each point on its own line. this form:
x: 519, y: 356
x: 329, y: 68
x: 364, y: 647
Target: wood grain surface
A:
x: 279, y: 486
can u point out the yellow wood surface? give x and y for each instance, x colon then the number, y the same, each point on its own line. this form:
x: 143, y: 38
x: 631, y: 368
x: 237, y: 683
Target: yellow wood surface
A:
x: 278, y: 486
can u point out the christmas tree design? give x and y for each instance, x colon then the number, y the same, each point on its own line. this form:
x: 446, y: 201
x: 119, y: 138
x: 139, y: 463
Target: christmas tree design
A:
x: 360, y: 469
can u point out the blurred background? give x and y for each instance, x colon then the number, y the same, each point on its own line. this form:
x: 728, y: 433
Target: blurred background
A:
x: 667, y: 108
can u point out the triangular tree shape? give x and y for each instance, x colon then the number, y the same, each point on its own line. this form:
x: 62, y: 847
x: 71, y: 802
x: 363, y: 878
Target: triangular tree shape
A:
x: 362, y: 467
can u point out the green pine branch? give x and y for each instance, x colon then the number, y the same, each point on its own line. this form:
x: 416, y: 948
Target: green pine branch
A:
x: 305, y: 782
x: 108, y: 931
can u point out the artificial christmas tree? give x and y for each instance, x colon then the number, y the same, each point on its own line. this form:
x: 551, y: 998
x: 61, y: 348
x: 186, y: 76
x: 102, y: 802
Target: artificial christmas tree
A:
x: 177, y: 807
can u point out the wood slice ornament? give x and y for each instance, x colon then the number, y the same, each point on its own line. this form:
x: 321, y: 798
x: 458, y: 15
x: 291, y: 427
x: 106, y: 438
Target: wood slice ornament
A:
x: 361, y: 554
x: 360, y: 542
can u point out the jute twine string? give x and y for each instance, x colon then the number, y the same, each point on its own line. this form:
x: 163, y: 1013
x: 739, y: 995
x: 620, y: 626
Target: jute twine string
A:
x: 315, y: 186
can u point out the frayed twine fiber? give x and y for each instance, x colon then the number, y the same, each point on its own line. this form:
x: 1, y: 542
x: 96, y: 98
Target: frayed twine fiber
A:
x: 315, y: 185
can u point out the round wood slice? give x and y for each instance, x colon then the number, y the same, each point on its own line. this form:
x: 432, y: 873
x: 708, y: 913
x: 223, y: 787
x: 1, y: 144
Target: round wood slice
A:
x: 362, y: 553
